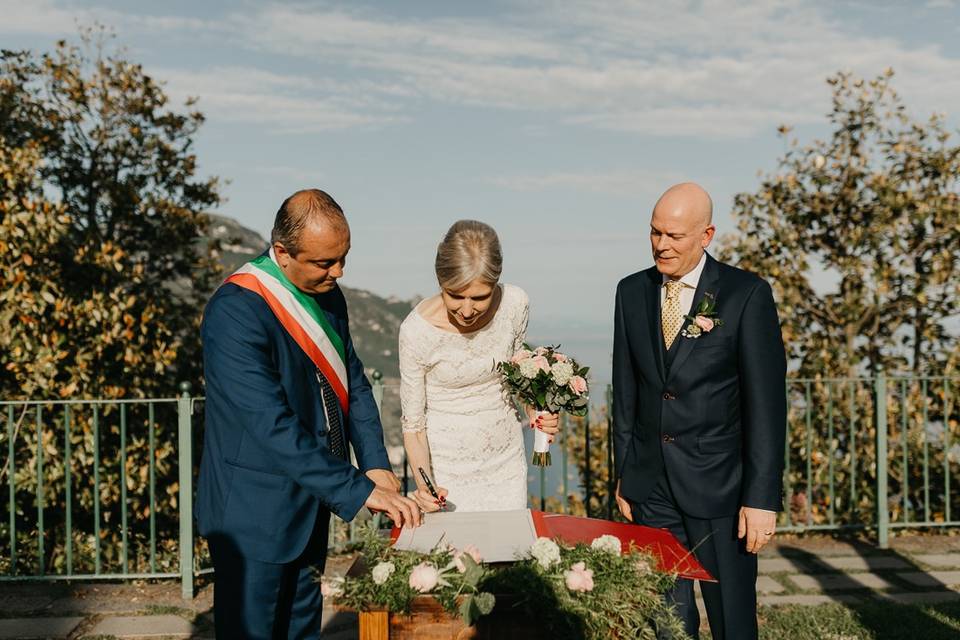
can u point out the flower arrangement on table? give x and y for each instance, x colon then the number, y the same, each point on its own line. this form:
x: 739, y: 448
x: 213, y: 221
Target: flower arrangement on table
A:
x: 585, y: 591
x: 549, y: 381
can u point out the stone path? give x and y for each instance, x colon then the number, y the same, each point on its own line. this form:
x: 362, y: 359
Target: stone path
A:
x: 795, y: 571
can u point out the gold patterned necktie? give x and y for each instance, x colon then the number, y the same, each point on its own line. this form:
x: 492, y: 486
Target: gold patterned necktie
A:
x: 671, y: 318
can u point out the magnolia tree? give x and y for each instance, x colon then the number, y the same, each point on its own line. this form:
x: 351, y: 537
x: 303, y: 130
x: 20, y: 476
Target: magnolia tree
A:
x: 859, y: 235
x: 104, y: 275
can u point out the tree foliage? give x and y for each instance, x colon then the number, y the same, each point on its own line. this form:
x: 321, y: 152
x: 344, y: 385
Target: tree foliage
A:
x: 102, y: 213
x: 875, y: 207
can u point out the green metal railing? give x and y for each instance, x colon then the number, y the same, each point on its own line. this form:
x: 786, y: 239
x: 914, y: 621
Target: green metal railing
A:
x: 103, y: 489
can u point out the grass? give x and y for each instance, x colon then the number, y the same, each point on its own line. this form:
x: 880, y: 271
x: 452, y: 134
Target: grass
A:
x: 867, y: 621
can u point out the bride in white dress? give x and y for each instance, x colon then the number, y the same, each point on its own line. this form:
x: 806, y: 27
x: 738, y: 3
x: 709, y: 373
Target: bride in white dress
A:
x: 459, y: 424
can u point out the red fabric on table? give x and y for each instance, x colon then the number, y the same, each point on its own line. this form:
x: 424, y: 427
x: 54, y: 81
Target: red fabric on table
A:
x: 670, y: 554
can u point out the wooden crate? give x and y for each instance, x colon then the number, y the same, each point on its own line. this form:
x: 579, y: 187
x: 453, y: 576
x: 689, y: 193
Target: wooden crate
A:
x: 428, y: 620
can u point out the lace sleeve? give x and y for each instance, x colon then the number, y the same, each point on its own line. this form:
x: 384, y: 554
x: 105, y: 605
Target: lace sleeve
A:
x: 413, y: 396
x: 521, y: 318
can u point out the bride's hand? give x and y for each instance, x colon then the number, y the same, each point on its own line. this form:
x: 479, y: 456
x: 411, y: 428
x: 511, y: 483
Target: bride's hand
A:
x: 426, y: 501
x: 549, y: 423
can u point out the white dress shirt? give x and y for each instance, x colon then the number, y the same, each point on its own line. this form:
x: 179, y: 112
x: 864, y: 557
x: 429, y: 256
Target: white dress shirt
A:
x: 690, y: 282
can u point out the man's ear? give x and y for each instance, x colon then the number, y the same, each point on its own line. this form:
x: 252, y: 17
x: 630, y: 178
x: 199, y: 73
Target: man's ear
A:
x: 708, y: 235
x: 283, y: 256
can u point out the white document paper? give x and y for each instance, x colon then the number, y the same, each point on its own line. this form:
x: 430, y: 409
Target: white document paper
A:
x: 501, y: 536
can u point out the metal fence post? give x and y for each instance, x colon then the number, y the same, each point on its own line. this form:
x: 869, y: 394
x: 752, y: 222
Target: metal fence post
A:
x: 378, y: 398
x: 185, y: 502
x: 883, y: 510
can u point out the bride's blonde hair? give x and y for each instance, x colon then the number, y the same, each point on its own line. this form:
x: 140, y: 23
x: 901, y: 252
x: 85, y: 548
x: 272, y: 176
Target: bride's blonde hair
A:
x: 470, y: 251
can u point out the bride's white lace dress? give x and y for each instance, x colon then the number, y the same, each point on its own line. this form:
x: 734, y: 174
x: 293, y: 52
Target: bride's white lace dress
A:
x: 449, y: 387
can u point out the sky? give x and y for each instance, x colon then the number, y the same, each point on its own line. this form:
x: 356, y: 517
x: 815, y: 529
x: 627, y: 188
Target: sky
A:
x: 557, y: 122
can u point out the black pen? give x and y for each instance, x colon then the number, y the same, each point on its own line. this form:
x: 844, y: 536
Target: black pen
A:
x: 433, y: 492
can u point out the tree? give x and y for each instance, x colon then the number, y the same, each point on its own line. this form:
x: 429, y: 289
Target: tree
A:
x: 105, y: 271
x: 124, y: 264
x: 875, y: 210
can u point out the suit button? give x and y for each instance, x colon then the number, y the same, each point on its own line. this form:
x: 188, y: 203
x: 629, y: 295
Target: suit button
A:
x: 669, y: 396
x: 667, y: 439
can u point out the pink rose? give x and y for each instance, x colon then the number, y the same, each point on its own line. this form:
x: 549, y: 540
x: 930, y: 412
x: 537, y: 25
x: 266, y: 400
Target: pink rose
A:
x: 704, y: 323
x: 469, y: 550
x: 541, y: 363
x: 578, y: 385
x: 424, y: 577
x: 541, y: 351
x: 559, y: 357
x: 523, y: 354
x: 579, y: 578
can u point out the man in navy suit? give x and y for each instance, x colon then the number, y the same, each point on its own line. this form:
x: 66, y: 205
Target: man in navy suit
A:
x: 699, y: 409
x: 285, y: 395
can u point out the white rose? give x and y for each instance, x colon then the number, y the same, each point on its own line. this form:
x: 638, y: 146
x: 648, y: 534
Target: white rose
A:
x: 546, y: 552
x: 608, y: 543
x: 382, y: 572
x: 529, y: 369
x: 562, y: 372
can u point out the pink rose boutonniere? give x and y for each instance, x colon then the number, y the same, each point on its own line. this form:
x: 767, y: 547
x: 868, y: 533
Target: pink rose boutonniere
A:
x: 704, y: 320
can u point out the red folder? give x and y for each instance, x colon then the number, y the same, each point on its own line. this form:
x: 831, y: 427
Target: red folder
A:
x: 671, y: 556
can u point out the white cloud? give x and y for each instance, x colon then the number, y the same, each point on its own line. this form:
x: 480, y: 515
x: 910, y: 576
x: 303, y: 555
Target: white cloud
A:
x: 713, y: 69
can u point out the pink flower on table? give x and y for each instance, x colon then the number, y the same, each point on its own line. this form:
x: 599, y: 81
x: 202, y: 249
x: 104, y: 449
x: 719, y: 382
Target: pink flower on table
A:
x: 541, y: 363
x: 469, y: 550
x: 579, y: 578
x: 704, y: 323
x: 523, y: 354
x: 424, y: 577
x: 578, y: 385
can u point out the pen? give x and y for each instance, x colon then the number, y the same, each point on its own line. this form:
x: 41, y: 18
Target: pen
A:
x: 433, y: 492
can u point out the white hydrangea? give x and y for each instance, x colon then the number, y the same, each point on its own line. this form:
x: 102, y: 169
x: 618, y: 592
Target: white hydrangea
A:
x: 562, y: 372
x: 608, y: 543
x: 546, y: 552
x: 528, y: 368
x: 381, y: 573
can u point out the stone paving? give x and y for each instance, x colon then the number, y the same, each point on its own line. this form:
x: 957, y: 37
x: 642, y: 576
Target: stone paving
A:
x: 796, y: 571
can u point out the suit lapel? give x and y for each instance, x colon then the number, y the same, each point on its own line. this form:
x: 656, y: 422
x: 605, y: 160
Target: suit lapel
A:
x: 708, y: 283
x: 653, y: 319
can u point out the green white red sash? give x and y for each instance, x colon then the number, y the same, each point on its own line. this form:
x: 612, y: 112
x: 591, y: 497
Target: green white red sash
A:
x: 301, y: 316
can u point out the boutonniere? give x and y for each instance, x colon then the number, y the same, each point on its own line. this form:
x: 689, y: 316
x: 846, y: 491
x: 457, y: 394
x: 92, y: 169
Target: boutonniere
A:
x: 704, y: 319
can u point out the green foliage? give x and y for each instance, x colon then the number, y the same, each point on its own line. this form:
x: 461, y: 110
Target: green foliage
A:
x: 876, y: 207
x: 626, y: 600
x: 103, y: 282
x: 459, y: 592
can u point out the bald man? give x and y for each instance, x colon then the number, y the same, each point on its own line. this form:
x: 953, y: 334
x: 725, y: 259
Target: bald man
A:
x: 286, y: 397
x: 699, y: 411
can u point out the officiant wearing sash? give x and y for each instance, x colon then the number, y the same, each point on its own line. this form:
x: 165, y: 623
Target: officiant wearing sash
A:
x: 286, y: 396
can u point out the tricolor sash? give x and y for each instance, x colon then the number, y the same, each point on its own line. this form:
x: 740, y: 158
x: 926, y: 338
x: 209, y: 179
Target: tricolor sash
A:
x: 302, y: 318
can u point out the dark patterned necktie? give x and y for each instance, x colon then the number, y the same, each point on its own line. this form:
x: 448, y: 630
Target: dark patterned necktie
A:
x: 331, y: 406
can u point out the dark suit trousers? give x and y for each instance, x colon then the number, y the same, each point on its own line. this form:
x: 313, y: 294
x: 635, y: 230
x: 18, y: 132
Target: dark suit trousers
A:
x: 731, y: 603
x: 265, y: 601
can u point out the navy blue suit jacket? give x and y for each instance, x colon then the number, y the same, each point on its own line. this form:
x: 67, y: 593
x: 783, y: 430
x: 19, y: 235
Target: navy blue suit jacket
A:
x: 712, y: 412
x: 267, y: 472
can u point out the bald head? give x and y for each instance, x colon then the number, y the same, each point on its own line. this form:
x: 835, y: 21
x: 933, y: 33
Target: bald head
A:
x: 687, y: 200
x: 681, y: 228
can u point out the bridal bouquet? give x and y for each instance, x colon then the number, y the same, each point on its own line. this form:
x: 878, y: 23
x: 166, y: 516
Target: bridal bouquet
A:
x: 549, y: 381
